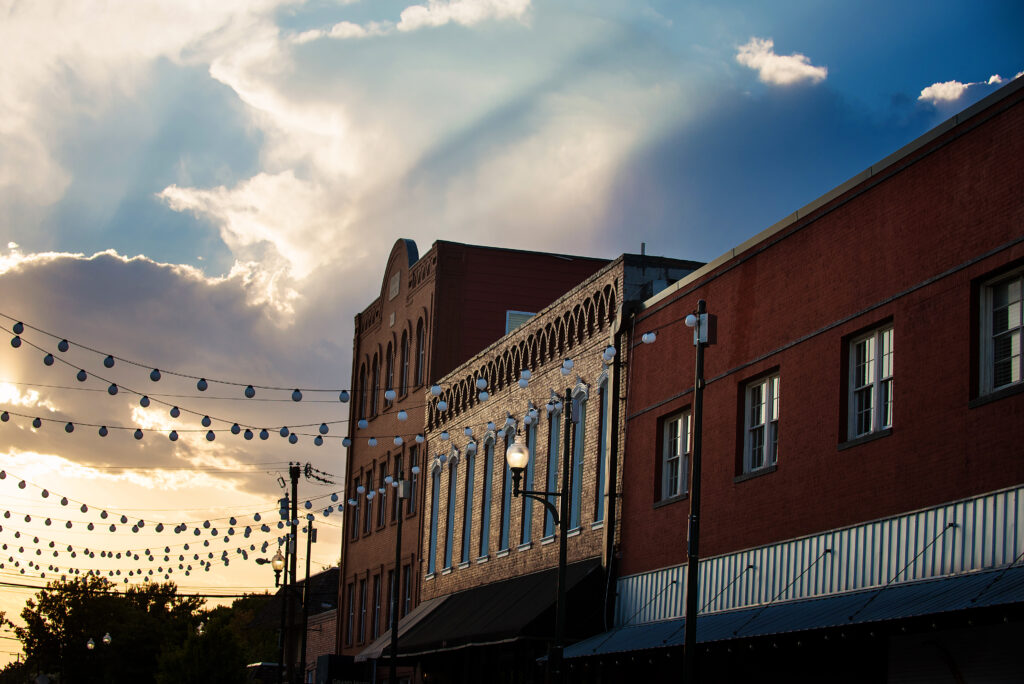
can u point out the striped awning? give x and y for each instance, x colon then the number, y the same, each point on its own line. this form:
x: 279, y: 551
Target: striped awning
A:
x: 893, y: 602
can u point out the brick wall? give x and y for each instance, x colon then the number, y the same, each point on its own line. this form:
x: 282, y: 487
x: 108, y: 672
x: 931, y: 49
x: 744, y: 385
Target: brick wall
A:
x: 907, y: 243
x: 577, y: 326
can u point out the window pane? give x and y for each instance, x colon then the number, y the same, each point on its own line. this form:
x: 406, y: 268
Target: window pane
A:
x: 775, y: 443
x: 887, y: 404
x: 757, y: 448
x: 862, y: 410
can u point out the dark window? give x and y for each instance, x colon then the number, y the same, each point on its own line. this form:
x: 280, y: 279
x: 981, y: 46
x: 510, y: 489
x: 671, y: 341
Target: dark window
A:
x: 414, y: 480
x: 602, y: 449
x: 364, y: 394
x: 485, y: 504
x: 351, y: 623
x: 376, y: 606
x: 355, y: 509
x: 403, y: 384
x: 506, y: 503
x: 526, y: 530
x: 421, y: 354
x: 375, y: 388
x: 449, y: 535
x: 362, y: 611
x: 406, y: 590
x: 435, y: 485
x: 467, y: 508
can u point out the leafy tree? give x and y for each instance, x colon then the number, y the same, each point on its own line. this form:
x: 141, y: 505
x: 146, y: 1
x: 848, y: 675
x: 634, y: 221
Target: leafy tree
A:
x: 142, y: 621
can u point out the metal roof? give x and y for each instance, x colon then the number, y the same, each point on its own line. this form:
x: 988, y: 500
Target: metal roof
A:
x: 892, y: 602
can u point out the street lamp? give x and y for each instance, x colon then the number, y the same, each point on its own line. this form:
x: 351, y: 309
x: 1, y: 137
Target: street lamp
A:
x: 518, y: 456
x: 277, y: 562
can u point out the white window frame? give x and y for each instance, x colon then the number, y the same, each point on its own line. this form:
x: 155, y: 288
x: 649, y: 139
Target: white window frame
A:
x: 993, y: 311
x: 761, y: 424
x: 870, y: 382
x: 677, y: 443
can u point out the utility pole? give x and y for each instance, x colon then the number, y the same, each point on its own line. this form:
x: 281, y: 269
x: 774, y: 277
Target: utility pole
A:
x: 293, y: 472
x: 306, y: 596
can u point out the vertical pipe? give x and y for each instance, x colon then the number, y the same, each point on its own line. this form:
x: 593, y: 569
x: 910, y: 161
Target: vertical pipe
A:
x: 693, y: 535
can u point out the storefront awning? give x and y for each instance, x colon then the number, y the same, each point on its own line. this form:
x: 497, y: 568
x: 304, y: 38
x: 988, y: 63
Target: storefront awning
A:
x: 896, y: 601
x: 494, y: 613
x: 381, y: 645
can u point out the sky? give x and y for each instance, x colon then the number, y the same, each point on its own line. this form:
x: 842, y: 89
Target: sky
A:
x: 213, y: 189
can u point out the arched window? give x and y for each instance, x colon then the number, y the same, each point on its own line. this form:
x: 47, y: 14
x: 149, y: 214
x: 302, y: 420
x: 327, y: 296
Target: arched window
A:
x: 403, y: 378
x: 449, y: 532
x: 363, y: 396
x: 435, y: 486
x: 603, y: 416
x: 375, y: 388
x: 526, y: 531
x: 389, y: 372
x: 467, y: 508
x: 506, y: 502
x: 421, y: 354
x: 485, y: 504
x: 578, y: 451
x: 554, y: 458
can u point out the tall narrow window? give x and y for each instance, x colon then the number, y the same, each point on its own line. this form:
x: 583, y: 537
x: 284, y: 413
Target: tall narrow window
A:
x: 362, y: 610
x: 414, y: 480
x: 382, y: 493
x: 467, y: 507
x: 1002, y: 332
x: 602, y: 449
x: 376, y: 606
x: 449, y: 532
x: 391, y: 609
x: 389, y: 372
x: 368, y: 513
x: 364, y: 395
x: 421, y: 354
x: 578, y: 450
x: 506, y: 504
x: 485, y: 504
x: 871, y: 398
x: 761, y: 439
x: 375, y: 388
x: 350, y: 624
x: 526, y: 529
x: 675, y: 454
x: 406, y: 590
x: 355, y: 509
x: 435, y: 486
x: 397, y: 475
x: 554, y: 457
x: 403, y: 377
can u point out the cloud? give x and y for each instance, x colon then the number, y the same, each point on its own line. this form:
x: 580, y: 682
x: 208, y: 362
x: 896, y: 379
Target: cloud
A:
x: 463, y: 12
x: 432, y: 15
x: 951, y: 91
x: 759, y: 54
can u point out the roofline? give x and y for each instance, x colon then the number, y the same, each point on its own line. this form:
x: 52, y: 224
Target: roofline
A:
x: 885, y: 165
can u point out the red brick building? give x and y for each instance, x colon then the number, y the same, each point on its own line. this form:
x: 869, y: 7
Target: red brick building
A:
x: 863, y: 423
x: 433, y: 312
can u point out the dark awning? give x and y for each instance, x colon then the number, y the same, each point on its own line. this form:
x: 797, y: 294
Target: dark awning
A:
x: 929, y: 597
x: 378, y: 647
x: 491, y: 614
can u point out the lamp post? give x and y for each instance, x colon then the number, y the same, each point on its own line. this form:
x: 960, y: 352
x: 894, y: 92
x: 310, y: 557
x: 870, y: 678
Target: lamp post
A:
x: 518, y: 457
x: 703, y: 325
x: 403, y: 492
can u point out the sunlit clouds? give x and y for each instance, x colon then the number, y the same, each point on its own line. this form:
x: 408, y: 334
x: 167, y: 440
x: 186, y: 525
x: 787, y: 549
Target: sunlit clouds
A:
x: 951, y: 91
x: 774, y: 69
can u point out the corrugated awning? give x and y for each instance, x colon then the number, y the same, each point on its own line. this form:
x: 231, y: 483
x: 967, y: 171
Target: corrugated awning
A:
x: 374, y: 650
x: 490, y: 614
x: 896, y: 601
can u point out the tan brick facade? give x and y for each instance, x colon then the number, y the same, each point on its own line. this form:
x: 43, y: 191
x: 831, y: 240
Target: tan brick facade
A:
x: 579, y: 326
